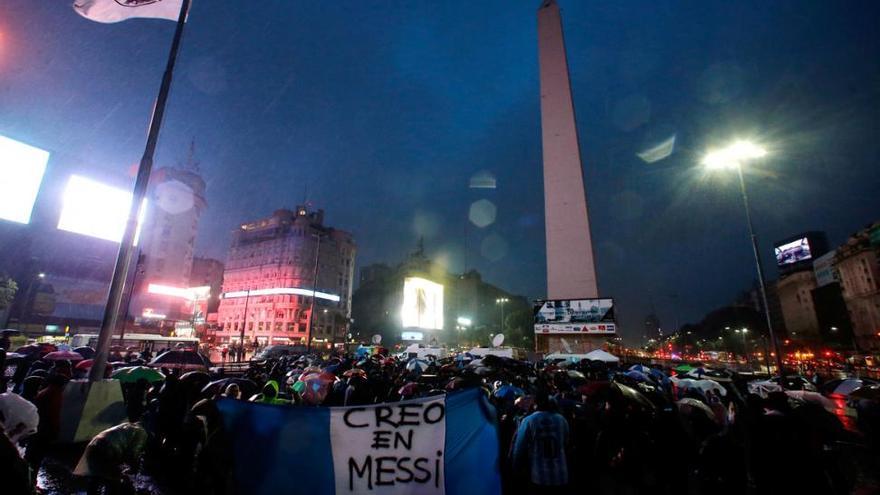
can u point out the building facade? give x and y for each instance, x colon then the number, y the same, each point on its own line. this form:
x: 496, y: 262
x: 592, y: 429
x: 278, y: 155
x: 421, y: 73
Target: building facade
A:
x: 858, y: 265
x: 175, y: 203
x: 795, y: 293
x: 270, y: 272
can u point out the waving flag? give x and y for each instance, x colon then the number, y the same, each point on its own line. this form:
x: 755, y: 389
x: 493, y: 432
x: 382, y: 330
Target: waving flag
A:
x: 120, y: 10
x: 442, y: 445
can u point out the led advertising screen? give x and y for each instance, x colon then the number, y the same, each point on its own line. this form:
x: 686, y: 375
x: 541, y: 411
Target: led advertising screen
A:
x: 591, y: 316
x: 422, y: 304
x: 793, y: 252
x: 97, y: 210
x: 21, y: 171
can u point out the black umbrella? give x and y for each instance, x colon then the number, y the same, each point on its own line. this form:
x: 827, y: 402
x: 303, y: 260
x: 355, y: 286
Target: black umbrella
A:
x: 10, y: 332
x: 85, y: 351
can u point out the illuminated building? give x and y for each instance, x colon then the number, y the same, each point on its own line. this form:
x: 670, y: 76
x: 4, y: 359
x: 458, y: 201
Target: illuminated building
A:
x: 269, y: 277
x: 858, y: 263
x: 176, y: 200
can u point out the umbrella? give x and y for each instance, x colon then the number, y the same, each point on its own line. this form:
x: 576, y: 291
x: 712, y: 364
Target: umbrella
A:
x: 317, y: 386
x: 508, y: 392
x: 455, y: 383
x: 85, y: 351
x: 870, y: 392
x: 697, y: 372
x: 84, y: 364
x: 417, y: 365
x: 9, y: 332
x: 763, y: 387
x: 63, y: 356
x: 640, y: 368
x: 247, y: 387
x: 812, y: 397
x: 684, y: 368
x: 409, y: 389
x: 18, y: 417
x: 844, y: 387
x: 687, y: 405
x: 576, y: 374
x: 702, y: 385
x: 181, y: 359
x: 355, y: 371
x: 525, y: 402
x: 197, y: 379
x: 637, y: 375
x: 633, y: 395
x: 135, y: 373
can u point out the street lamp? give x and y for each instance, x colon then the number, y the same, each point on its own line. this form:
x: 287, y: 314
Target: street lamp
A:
x: 744, y: 331
x: 502, y: 301
x: 733, y: 157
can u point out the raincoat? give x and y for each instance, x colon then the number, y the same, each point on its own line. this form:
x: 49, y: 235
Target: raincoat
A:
x: 263, y: 398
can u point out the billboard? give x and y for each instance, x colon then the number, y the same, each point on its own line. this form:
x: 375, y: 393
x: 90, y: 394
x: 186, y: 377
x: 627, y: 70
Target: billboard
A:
x: 824, y: 269
x: 97, y: 210
x: 567, y: 316
x: 793, y: 252
x: 21, y: 171
x: 422, y: 304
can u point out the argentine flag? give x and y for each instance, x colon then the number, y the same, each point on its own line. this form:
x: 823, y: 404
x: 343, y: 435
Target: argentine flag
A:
x: 431, y: 446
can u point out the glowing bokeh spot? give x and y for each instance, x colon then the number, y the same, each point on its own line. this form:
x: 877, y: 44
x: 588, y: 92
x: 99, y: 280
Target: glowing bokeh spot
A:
x: 493, y: 247
x: 482, y: 213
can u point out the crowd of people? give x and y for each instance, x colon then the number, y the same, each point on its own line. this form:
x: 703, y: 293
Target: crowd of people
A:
x: 563, y: 427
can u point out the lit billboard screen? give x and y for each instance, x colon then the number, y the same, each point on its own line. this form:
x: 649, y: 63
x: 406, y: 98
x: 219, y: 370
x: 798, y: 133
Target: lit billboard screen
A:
x: 793, y: 252
x: 422, y: 304
x: 590, y: 316
x: 95, y: 209
x: 21, y: 171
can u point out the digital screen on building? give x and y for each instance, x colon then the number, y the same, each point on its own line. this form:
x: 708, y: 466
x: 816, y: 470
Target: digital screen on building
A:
x: 95, y: 209
x: 21, y: 171
x: 422, y: 304
x: 591, y: 316
x: 793, y: 252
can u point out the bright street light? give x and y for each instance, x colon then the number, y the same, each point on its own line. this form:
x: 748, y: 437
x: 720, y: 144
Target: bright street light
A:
x: 733, y: 157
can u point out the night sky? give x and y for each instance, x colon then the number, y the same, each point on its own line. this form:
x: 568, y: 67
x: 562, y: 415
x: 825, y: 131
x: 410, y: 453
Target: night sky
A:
x: 384, y: 111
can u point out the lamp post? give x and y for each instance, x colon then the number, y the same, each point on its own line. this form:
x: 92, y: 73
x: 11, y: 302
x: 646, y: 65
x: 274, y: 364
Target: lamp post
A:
x: 732, y: 157
x: 314, y: 289
x: 744, y: 331
x: 247, y: 300
x: 501, y: 301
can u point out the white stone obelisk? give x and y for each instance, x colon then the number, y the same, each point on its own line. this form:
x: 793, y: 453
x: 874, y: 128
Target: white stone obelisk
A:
x: 571, y: 271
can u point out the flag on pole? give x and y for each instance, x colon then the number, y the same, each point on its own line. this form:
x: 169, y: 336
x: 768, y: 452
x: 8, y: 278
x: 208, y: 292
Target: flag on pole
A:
x: 120, y: 10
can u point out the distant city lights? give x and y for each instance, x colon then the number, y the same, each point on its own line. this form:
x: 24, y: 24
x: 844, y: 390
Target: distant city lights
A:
x: 188, y: 293
x: 21, y: 172
x: 281, y: 291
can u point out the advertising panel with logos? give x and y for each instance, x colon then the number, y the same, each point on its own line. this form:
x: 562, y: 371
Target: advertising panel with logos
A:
x: 569, y: 316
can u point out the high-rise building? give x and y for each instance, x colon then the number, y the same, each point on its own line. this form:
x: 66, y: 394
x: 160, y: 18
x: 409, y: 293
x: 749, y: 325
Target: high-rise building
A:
x: 208, y: 272
x: 175, y: 202
x: 571, y: 270
x: 858, y: 264
x: 795, y: 293
x: 272, y: 268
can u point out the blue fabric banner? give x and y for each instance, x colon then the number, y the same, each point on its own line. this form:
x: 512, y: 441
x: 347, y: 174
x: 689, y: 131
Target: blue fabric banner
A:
x: 434, y: 445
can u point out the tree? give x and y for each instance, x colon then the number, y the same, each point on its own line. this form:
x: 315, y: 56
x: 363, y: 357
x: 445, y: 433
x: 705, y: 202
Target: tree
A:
x: 8, y: 288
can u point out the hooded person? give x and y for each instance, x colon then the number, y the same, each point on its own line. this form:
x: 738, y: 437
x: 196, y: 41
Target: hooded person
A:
x: 109, y: 452
x: 269, y: 394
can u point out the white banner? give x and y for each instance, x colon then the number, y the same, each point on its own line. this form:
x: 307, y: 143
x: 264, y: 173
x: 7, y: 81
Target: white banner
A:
x: 120, y: 10
x: 390, y: 449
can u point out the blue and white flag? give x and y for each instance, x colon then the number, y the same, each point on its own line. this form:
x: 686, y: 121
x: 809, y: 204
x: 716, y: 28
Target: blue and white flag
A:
x: 120, y: 10
x: 443, y: 445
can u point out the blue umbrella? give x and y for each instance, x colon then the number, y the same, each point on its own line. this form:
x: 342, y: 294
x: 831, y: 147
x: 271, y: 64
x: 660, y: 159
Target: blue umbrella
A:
x: 640, y: 368
x: 417, y: 365
x: 508, y: 392
x: 637, y: 375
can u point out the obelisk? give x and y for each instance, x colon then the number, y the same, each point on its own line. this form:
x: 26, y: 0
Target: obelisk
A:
x: 571, y: 271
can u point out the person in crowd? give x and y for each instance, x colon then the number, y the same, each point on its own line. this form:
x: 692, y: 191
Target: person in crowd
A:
x: 110, y: 455
x: 540, y: 447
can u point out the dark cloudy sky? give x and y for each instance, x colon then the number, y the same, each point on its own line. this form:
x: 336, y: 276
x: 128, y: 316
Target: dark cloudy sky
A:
x: 385, y: 110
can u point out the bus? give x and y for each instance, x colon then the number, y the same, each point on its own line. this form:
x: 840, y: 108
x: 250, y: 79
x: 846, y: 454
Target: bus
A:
x: 138, y: 341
